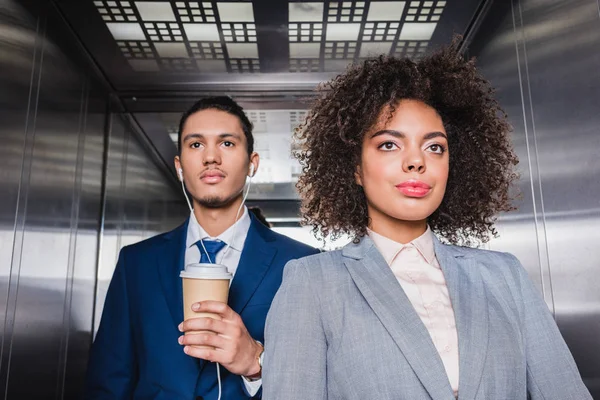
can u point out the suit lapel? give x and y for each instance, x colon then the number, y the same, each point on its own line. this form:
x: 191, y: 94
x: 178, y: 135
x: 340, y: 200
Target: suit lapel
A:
x: 468, y: 297
x: 385, y: 296
x: 169, y: 266
x: 255, y: 260
x: 170, y: 263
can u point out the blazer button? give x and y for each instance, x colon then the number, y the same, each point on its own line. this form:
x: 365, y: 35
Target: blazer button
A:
x: 199, y: 398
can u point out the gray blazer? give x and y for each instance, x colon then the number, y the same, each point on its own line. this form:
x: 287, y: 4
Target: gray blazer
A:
x: 341, y: 327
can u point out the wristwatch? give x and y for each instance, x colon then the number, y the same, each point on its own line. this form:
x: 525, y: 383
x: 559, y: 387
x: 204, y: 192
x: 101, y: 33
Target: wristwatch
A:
x: 258, y: 375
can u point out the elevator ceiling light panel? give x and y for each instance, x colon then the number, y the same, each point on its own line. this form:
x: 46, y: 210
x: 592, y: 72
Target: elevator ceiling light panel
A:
x: 254, y: 45
x: 180, y: 36
x: 186, y: 36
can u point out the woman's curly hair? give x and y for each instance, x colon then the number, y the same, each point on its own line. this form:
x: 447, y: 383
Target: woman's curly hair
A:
x: 481, y: 156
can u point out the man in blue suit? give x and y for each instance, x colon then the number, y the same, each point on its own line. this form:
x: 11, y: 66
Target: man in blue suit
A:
x: 140, y: 351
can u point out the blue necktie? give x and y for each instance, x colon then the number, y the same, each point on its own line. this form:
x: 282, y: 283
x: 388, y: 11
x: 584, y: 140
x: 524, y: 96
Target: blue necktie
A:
x: 212, y: 248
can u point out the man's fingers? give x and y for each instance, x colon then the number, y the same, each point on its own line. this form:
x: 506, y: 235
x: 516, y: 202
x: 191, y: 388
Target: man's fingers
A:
x: 204, y: 324
x: 214, y: 355
x: 215, y: 307
x: 204, y: 339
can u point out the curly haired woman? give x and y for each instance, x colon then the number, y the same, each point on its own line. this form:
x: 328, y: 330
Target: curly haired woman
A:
x: 394, y: 152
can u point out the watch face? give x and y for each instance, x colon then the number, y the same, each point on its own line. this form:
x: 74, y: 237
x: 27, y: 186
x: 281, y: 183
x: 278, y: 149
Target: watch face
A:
x: 260, y: 359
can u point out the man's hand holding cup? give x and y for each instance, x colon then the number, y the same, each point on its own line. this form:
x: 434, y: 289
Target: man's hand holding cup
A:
x: 221, y: 337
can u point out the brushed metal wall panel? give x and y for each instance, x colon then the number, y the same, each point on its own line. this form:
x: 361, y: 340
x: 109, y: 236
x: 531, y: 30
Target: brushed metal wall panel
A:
x: 51, y: 209
x: 79, y: 302
x: 50, y: 220
x: 140, y: 202
x: 542, y: 57
x: 497, y: 58
x: 20, y: 52
x: 563, y: 70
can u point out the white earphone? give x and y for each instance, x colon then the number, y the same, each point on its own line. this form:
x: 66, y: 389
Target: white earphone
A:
x: 180, y: 173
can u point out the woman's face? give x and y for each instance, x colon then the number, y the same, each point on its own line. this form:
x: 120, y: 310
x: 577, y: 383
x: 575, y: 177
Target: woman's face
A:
x: 404, y: 166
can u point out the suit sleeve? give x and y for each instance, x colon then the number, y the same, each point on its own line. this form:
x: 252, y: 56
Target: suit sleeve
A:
x: 112, y: 369
x: 551, y: 370
x: 295, y: 345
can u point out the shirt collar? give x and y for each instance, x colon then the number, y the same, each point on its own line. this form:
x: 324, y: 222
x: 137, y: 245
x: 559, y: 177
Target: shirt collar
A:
x: 196, y: 232
x: 389, y: 248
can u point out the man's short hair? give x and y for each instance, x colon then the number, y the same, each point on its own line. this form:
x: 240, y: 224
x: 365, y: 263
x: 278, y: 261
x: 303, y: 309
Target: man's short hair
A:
x: 223, y: 103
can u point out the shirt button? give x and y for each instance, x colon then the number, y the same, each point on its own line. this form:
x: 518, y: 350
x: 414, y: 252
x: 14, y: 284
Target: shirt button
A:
x: 447, y: 348
x: 435, y: 305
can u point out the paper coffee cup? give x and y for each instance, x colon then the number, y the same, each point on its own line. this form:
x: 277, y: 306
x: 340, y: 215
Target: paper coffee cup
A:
x: 203, y: 282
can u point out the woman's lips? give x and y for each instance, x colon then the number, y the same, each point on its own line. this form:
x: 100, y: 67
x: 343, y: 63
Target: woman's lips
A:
x: 414, y: 188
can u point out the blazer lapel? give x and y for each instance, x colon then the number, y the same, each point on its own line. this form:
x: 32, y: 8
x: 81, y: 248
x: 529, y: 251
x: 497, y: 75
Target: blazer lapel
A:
x: 377, y: 283
x: 468, y: 297
x: 169, y: 266
x: 255, y: 260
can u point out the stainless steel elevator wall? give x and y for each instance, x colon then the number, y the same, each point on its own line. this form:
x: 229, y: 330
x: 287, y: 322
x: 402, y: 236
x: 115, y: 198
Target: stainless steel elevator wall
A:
x: 543, y: 58
x: 139, y: 203
x: 78, y: 181
x: 55, y: 240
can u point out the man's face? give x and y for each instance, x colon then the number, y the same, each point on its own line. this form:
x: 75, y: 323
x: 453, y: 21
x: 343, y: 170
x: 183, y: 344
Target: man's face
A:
x: 214, y: 158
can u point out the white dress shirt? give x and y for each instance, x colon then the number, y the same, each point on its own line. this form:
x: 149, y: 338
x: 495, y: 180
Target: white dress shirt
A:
x: 229, y: 256
x: 418, y: 272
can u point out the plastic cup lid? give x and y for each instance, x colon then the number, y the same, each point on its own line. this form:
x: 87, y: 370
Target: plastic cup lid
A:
x: 205, y: 271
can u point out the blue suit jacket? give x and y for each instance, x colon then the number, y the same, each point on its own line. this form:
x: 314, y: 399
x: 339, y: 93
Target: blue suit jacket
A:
x: 136, y: 355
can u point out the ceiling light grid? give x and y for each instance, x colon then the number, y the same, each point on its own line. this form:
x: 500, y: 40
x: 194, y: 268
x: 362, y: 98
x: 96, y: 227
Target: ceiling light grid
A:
x: 380, y: 31
x: 244, y: 65
x: 116, y: 11
x: 259, y: 120
x: 412, y: 49
x: 262, y: 146
x: 340, y: 50
x: 296, y: 119
x: 177, y: 65
x: 305, y: 65
x: 239, y: 32
x: 207, y: 50
x: 163, y: 32
x: 425, y: 11
x: 306, y: 32
x: 136, y: 49
x: 161, y: 24
x: 347, y: 11
x: 195, y: 11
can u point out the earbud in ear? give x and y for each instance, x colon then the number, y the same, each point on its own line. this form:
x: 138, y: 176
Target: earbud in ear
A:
x: 251, y: 170
x: 180, y: 171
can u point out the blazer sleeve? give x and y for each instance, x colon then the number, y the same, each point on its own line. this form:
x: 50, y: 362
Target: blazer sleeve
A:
x: 112, y: 369
x: 551, y: 370
x: 295, y: 345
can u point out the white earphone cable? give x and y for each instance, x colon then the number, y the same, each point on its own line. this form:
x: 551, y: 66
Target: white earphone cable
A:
x: 228, y: 244
x: 184, y: 192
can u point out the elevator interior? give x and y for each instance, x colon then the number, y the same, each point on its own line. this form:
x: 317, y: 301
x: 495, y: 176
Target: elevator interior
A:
x: 91, y: 92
